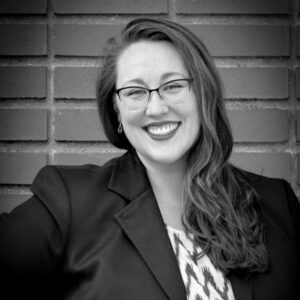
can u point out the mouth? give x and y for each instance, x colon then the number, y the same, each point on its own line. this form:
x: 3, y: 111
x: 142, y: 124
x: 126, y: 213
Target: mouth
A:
x: 162, y: 130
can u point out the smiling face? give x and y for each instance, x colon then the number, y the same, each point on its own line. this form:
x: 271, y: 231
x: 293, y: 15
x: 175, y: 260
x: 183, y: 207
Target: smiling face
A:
x: 162, y: 133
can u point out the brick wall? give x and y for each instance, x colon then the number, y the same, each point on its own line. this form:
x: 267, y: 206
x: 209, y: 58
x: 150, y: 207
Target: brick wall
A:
x: 50, y: 52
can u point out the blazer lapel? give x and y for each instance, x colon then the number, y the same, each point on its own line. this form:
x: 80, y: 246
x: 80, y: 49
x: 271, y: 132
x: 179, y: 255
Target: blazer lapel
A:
x: 242, y: 287
x: 142, y: 223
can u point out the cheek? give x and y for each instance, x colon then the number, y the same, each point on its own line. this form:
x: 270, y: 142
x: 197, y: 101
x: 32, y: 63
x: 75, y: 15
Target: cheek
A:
x: 193, y: 129
x: 132, y: 127
x: 194, y: 121
x: 131, y: 118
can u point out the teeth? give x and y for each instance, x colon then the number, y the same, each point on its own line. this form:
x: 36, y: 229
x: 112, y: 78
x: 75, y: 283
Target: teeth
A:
x: 161, y: 130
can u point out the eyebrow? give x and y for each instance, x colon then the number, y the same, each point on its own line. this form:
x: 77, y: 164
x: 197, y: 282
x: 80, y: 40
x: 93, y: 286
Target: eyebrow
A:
x: 163, y: 77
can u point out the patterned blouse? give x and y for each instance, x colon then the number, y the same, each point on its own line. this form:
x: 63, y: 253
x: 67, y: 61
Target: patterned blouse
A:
x: 202, y: 280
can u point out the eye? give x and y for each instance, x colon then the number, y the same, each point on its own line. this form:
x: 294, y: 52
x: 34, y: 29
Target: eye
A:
x: 173, y: 86
x: 134, y: 92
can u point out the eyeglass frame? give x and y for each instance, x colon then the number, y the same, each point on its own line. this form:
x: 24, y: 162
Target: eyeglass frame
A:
x: 117, y: 91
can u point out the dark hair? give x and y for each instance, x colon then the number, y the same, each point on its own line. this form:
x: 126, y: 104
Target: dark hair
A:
x: 221, y: 207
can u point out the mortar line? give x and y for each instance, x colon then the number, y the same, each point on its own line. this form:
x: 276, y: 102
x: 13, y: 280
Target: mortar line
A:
x: 172, y: 10
x: 50, y: 81
x: 292, y: 92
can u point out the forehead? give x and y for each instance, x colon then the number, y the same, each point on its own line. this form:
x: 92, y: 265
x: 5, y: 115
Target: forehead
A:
x: 149, y: 61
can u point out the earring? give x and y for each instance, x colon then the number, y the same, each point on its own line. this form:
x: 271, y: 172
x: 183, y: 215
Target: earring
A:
x: 120, y: 128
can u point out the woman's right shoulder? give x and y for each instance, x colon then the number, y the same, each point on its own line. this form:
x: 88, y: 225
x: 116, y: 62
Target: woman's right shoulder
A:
x: 60, y: 187
x: 68, y: 177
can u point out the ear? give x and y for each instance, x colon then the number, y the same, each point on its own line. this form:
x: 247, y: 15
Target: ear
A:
x: 116, y: 109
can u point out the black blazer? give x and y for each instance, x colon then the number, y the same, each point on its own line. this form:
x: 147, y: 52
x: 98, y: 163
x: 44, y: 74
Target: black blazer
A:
x: 94, y: 232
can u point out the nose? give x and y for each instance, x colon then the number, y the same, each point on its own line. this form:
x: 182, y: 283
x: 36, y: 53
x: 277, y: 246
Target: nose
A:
x: 156, y: 106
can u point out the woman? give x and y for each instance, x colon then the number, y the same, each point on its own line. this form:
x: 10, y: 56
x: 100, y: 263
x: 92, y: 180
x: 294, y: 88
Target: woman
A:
x: 171, y: 218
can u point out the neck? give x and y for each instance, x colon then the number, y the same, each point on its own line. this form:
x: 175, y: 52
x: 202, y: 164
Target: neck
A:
x: 162, y: 175
x: 167, y: 184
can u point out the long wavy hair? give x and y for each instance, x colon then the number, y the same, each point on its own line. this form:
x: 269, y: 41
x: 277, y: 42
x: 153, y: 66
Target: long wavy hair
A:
x: 221, y: 207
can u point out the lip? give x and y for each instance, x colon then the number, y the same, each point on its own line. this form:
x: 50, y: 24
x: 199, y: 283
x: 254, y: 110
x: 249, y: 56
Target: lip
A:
x: 161, y: 137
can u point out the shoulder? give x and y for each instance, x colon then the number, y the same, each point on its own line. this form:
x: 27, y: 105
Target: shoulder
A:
x: 277, y: 191
x: 266, y: 186
x: 73, y: 173
x: 65, y: 190
x: 67, y: 178
x: 278, y: 201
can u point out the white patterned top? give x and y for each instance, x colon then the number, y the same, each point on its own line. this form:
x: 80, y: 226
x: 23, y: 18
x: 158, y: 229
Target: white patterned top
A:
x: 202, y: 280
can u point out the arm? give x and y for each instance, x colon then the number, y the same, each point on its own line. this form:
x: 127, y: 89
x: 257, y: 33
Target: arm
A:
x: 34, y: 235
x: 294, y: 206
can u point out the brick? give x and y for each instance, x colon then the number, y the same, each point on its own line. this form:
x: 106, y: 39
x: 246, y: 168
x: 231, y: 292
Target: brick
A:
x: 229, y: 40
x: 268, y: 164
x: 298, y: 125
x: 25, y: 7
x: 83, y: 40
x: 298, y: 169
x: 23, y: 82
x: 78, y: 125
x: 9, y: 201
x: 84, y: 158
x: 23, y: 39
x: 110, y: 6
x: 244, y: 40
x: 232, y: 6
x: 23, y: 124
x: 259, y: 125
x: 255, y: 83
x: 72, y: 82
x: 20, y: 168
x: 298, y: 82
x: 298, y: 38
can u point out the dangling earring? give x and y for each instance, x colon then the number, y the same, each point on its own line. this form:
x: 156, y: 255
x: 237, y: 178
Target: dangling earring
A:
x: 120, y: 128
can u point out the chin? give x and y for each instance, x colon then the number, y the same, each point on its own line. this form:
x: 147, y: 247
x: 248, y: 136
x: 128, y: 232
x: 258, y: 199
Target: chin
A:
x: 166, y: 158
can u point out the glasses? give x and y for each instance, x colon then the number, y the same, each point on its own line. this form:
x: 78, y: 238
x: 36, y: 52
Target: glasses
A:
x: 171, y: 92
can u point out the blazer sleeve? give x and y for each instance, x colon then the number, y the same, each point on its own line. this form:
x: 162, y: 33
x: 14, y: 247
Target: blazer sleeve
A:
x: 294, y: 207
x: 34, y: 235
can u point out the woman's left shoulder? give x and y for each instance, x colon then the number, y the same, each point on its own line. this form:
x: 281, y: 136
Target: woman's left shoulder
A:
x: 277, y: 199
x: 268, y: 186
